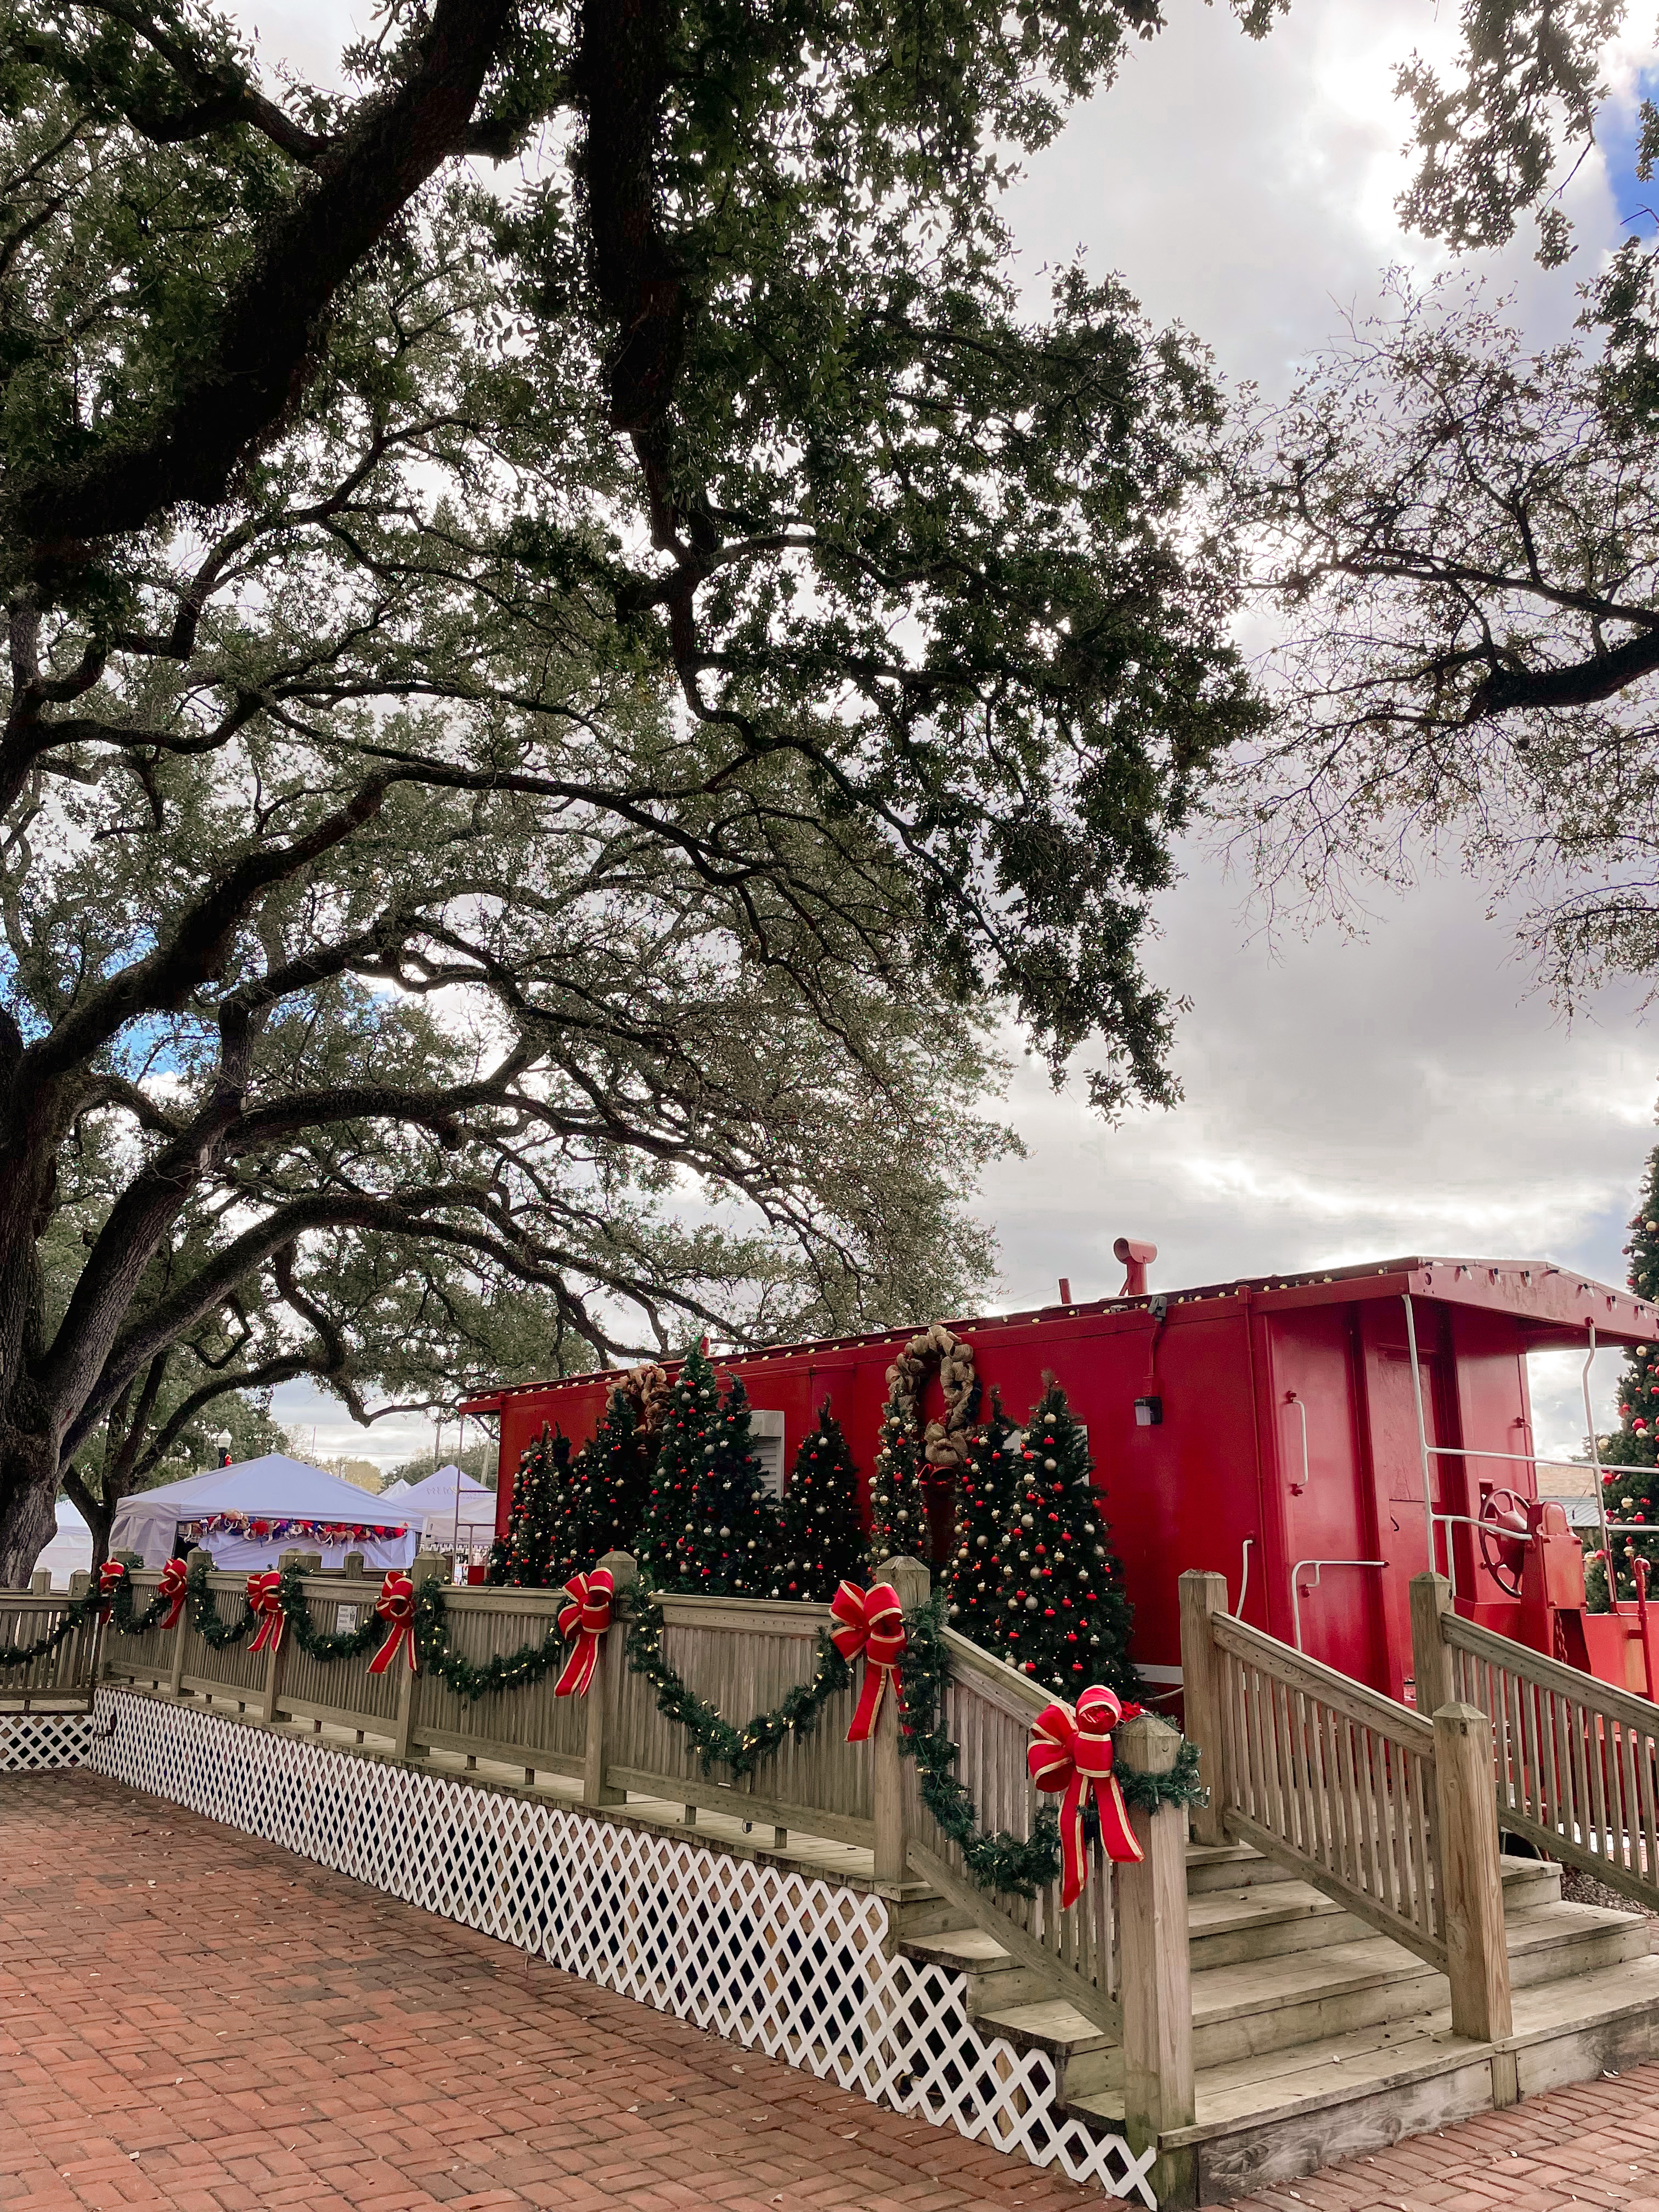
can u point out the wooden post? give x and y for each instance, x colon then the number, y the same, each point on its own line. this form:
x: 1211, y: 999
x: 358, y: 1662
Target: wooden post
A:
x: 1471, y: 1879
x: 40, y: 1582
x: 912, y: 1582
x: 1432, y: 1667
x: 1203, y: 1596
x: 428, y: 1568
x: 605, y: 1691
x: 1157, y: 1974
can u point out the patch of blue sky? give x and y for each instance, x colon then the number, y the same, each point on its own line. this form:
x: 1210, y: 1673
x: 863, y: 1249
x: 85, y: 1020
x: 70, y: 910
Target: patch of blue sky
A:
x: 1618, y: 130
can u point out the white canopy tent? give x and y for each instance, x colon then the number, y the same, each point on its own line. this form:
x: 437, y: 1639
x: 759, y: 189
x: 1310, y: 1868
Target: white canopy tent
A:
x: 434, y: 1503
x: 247, y: 1516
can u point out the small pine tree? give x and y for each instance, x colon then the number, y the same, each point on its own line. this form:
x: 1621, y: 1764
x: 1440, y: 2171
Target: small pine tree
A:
x: 609, y: 1484
x: 820, y: 1538
x: 709, y: 1526
x: 1062, y: 1591
x: 898, y: 1495
x: 973, y: 1581
x: 1631, y: 1489
x: 540, y: 1505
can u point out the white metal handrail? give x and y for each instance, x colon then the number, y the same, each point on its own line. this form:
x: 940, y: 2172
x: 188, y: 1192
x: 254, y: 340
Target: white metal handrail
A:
x: 1296, y: 1601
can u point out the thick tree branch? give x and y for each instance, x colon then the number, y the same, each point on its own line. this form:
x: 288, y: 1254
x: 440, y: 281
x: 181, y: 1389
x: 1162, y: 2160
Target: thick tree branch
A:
x: 266, y: 349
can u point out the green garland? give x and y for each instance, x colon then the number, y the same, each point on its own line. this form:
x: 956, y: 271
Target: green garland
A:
x: 1013, y: 1865
x: 716, y: 1742
x: 1009, y: 1864
x: 1002, y: 1861
x: 77, y: 1610
x: 312, y: 1640
x: 510, y: 1670
x: 1180, y: 1786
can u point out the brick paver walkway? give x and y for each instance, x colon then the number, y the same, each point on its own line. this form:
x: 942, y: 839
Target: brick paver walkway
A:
x: 1595, y: 2144
x: 195, y: 2021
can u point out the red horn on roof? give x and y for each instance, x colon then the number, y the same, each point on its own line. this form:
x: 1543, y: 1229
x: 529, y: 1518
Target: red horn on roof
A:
x: 1136, y: 1258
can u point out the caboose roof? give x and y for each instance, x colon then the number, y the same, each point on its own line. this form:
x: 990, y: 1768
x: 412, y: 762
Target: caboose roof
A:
x: 1554, y: 1306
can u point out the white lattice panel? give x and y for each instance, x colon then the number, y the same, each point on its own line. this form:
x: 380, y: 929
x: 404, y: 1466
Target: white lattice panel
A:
x: 30, y: 1743
x: 775, y: 1960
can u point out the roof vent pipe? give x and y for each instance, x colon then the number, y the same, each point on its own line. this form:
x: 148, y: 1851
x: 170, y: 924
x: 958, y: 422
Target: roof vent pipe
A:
x: 1136, y: 1258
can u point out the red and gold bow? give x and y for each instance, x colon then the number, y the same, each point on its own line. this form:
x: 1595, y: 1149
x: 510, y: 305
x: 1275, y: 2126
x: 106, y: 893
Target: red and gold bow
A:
x: 587, y: 1618
x: 173, y: 1584
x: 395, y: 1606
x: 265, y: 1597
x: 111, y: 1576
x: 872, y: 1622
x: 1070, y: 1749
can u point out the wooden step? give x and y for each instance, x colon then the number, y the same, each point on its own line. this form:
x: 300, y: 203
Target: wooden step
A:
x: 1275, y: 2116
x: 1275, y: 2003
x: 1230, y: 1866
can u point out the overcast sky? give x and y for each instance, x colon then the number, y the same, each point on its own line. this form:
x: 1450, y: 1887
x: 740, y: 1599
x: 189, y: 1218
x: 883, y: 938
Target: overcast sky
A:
x: 1345, y: 1099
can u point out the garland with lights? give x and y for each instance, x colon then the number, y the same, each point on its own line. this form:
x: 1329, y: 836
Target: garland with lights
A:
x: 714, y: 1740
x: 508, y: 1670
x: 76, y: 1610
x: 1001, y: 1862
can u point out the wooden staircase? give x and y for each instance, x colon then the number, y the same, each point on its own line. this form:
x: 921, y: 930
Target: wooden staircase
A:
x: 1314, y: 2037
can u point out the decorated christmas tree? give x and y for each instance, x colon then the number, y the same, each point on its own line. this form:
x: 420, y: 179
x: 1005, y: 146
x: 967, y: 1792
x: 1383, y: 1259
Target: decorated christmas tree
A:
x: 1630, y: 1489
x: 709, y: 1526
x: 540, y: 1509
x: 820, y: 1537
x: 973, y: 1582
x: 1061, y: 1591
x: 609, y: 1485
x: 898, y: 1495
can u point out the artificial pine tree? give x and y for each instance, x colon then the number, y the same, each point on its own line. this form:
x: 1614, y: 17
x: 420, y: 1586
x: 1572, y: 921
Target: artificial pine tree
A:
x: 973, y: 1581
x: 609, y: 1485
x: 820, y: 1537
x: 539, y: 1507
x: 1632, y: 1489
x: 1061, y: 1591
x: 898, y: 1495
x: 709, y: 1526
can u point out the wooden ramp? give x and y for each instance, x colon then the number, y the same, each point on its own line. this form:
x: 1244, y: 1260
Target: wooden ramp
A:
x: 1314, y: 2037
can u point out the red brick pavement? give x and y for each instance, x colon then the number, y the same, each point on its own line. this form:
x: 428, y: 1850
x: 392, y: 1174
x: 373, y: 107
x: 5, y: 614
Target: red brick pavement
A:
x: 194, y: 2020
x: 1594, y: 2145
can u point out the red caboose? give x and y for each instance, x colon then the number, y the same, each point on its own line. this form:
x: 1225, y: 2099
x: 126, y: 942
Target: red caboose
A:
x: 1317, y: 1439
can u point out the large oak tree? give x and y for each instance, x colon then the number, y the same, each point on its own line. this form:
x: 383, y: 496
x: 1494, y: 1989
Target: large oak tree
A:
x: 1459, y: 535
x: 551, y: 703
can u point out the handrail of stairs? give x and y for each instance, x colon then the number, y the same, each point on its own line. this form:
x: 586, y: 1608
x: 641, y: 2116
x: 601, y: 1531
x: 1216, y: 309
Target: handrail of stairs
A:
x: 1389, y: 1813
x: 1576, y: 1761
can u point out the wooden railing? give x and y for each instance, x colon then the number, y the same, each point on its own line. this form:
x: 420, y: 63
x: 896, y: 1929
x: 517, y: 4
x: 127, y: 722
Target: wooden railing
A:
x: 62, y: 1677
x: 1389, y: 1813
x: 988, y: 1711
x: 1118, y: 1955
x: 1574, y: 1761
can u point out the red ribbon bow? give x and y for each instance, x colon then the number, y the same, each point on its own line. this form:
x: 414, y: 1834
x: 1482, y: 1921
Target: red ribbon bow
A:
x: 396, y: 1606
x: 173, y: 1583
x: 1070, y: 1749
x: 587, y: 1618
x: 111, y: 1576
x: 265, y: 1597
x: 872, y: 1622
